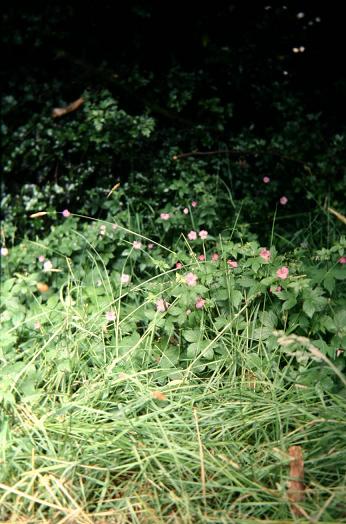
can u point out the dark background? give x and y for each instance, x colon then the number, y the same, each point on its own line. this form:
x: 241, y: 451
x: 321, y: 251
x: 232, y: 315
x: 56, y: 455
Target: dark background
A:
x: 212, y: 75
x: 82, y: 44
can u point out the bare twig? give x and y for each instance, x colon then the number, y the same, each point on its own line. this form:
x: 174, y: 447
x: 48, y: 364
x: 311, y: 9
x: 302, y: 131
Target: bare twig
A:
x: 240, y: 152
x: 296, y: 484
x: 338, y: 215
x: 61, y: 111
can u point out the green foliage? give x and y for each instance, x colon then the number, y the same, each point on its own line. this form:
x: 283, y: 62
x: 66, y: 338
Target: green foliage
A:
x: 205, y: 287
x: 173, y: 321
x: 64, y: 156
x: 57, y: 162
x: 104, y: 338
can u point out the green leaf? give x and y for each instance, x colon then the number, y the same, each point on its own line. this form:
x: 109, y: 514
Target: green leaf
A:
x: 313, y: 301
x: 255, y: 265
x: 236, y: 297
x: 268, y: 318
x: 246, y: 281
x: 340, y: 274
x: 175, y: 311
x: 192, y: 335
x: 340, y: 322
x: 221, y: 294
x: 196, y: 348
x: 127, y: 343
x: 328, y: 323
x: 7, y: 286
x: 253, y: 361
x: 329, y: 283
x: 262, y: 333
x: 268, y: 281
x: 193, y: 350
x: 8, y: 340
x: 221, y: 322
x: 209, y: 354
x: 170, y: 357
x: 309, y: 308
x: 290, y: 302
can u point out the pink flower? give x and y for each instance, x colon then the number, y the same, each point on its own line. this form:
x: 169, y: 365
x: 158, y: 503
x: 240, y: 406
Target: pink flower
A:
x: 150, y: 246
x: 283, y: 200
x: 161, y: 305
x: 165, y: 216
x: 41, y: 258
x: 178, y: 265
x: 125, y: 279
x: 265, y: 254
x: 185, y: 211
x: 276, y: 289
x: 37, y: 325
x: 110, y: 316
x: 215, y: 257
x: 232, y: 263
x: 194, y: 203
x: 342, y: 260
x: 201, y: 258
x: 266, y: 179
x: 282, y: 272
x: 4, y: 251
x: 200, y: 303
x: 191, y: 279
x: 203, y: 234
x: 114, y: 226
x: 66, y: 213
x: 192, y: 235
x: 136, y: 244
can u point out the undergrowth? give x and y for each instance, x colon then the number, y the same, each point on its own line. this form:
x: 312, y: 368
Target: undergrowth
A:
x: 165, y: 382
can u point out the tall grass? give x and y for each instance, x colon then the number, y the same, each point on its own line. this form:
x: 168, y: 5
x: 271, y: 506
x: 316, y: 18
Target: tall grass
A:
x: 114, y: 442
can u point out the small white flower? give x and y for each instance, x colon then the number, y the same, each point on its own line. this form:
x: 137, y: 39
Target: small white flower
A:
x: 110, y: 316
x: 125, y: 279
x: 47, y: 266
x: 4, y: 251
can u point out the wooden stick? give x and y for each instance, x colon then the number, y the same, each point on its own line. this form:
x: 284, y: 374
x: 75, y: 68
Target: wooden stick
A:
x: 296, y: 484
x: 61, y: 111
x: 338, y: 215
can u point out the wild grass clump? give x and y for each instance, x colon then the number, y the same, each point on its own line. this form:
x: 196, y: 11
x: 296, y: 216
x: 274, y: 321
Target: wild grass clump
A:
x: 155, y: 382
